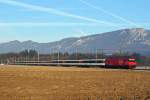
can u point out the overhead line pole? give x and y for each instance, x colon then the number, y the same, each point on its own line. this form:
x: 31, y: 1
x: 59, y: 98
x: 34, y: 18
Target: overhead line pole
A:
x: 58, y: 55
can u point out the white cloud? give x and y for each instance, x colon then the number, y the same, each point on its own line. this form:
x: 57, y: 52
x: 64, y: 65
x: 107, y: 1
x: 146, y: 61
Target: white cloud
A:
x: 109, y: 13
x: 43, y: 24
x: 57, y: 12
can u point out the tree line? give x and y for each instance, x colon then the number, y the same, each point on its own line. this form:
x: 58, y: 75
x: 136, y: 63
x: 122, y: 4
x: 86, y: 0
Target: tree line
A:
x: 33, y: 55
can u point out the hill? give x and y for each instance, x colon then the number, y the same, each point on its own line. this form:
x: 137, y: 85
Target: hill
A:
x: 132, y: 40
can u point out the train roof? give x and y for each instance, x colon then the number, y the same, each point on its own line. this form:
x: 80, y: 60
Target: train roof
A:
x: 121, y: 57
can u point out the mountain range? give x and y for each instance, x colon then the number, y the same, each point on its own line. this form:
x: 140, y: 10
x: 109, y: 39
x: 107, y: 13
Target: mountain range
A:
x: 132, y: 40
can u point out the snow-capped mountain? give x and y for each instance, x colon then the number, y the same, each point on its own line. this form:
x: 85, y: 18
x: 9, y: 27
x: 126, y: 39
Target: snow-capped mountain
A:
x: 134, y: 40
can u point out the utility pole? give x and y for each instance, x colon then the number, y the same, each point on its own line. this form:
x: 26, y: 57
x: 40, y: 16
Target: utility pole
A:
x: 15, y: 60
x: 58, y: 57
x: 1, y: 61
x: 50, y: 55
x: 76, y: 54
x: 102, y: 53
x: 120, y: 52
x: 7, y: 61
x: 28, y: 55
x: 38, y: 56
x: 96, y: 54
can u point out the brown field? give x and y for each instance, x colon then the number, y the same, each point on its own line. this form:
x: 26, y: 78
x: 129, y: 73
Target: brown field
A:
x: 58, y: 83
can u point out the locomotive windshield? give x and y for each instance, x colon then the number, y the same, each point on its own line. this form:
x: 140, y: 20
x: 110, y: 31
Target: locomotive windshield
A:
x: 131, y: 59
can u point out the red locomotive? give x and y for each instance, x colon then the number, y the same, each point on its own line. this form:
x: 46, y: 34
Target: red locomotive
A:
x: 120, y: 62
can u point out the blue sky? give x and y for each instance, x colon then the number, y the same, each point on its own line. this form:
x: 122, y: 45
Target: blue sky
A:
x: 52, y: 20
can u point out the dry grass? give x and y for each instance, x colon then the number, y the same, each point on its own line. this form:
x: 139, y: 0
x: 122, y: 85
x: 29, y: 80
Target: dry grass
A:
x: 58, y: 83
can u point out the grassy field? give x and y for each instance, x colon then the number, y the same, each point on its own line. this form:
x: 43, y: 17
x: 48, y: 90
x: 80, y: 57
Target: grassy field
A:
x: 58, y: 83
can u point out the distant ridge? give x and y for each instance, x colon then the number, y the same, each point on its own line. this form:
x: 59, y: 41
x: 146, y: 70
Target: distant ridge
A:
x: 132, y: 40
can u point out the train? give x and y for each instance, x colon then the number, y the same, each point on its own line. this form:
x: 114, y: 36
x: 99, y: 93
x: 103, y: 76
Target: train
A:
x: 123, y: 62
